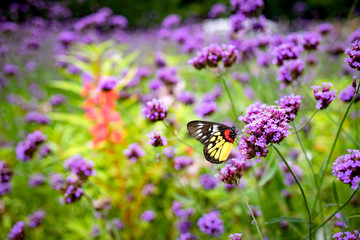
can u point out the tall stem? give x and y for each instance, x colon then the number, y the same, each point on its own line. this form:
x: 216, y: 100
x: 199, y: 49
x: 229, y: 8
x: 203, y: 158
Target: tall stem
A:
x: 302, y: 126
x: 252, y: 214
x: 221, y: 76
x: 304, y: 151
x: 301, y: 189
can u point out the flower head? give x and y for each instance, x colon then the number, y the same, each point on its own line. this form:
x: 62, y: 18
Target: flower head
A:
x: 5, y: 175
x: 269, y: 126
x: 80, y: 166
x: 17, y: 232
x: 347, y: 168
x: 36, y: 179
x: 72, y: 190
x: 182, y: 162
x: 347, y: 235
x: 155, y: 110
x: 108, y: 83
x: 310, y: 40
x: 179, y: 211
x: 134, y: 152
x: 171, y: 21
x: 211, y: 224
x: 57, y: 99
x: 291, y: 103
x: 251, y: 111
x: 324, y: 98
x: 233, y: 171
x: 286, y: 51
x: 289, y: 179
x: 56, y: 181
x: 156, y: 139
x: 37, y: 117
x: 235, y: 236
x: 148, y: 216
x: 206, y: 108
x: 354, y: 55
x: 118, y: 223
x: 36, y: 218
x: 216, y: 10
x: 208, y: 181
x: 246, y: 7
x: 26, y: 149
x: 290, y: 71
x: 347, y: 94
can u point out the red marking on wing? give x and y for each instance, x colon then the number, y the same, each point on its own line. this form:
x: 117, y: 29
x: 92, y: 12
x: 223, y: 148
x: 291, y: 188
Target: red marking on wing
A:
x: 227, y: 137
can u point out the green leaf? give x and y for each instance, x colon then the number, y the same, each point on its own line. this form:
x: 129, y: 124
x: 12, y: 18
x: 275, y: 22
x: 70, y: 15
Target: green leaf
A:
x: 286, y: 219
x: 183, y: 199
x: 336, y: 196
x: 344, y: 219
x: 66, y: 86
x: 74, y: 119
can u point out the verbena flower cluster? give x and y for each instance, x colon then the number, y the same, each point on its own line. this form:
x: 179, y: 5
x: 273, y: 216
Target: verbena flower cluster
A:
x: 235, y: 236
x: 26, y: 149
x: 17, y: 232
x: 80, y: 166
x: 208, y: 181
x: 184, y: 223
x: 211, y: 224
x: 134, y: 152
x: 155, y: 110
x: 148, y: 216
x: 325, y: 97
x: 36, y: 179
x: 286, y: 51
x: 233, y: 171
x: 212, y: 55
x: 108, y: 83
x: 347, y: 94
x: 156, y: 139
x: 36, y: 218
x: 181, y: 162
x: 354, y: 55
x: 269, y: 126
x: 288, y: 177
x: 291, y: 103
x: 37, y: 117
x: 290, y: 71
x: 347, y: 168
x: 5, y: 175
x: 251, y: 111
x: 347, y: 235
x: 72, y: 190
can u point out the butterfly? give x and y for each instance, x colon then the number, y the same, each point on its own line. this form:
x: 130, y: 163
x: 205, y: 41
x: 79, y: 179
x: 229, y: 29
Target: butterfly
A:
x: 217, y: 138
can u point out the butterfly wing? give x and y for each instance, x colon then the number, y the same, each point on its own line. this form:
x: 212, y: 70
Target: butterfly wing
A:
x: 215, y: 137
x: 217, y: 149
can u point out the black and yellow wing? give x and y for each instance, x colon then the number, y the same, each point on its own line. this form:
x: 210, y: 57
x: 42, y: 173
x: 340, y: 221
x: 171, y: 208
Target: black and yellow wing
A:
x: 217, y: 138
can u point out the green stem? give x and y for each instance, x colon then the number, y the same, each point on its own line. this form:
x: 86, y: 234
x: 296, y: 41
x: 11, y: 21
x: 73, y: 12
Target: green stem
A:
x: 302, y: 126
x: 252, y: 214
x: 304, y: 151
x: 332, y: 215
x: 322, y: 173
x: 301, y: 189
x: 221, y: 76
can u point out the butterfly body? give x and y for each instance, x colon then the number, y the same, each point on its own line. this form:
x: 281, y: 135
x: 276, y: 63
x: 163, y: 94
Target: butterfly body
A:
x: 216, y: 137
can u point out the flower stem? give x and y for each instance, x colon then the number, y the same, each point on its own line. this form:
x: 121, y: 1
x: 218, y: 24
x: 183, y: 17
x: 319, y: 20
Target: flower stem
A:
x: 301, y: 189
x: 302, y: 126
x: 322, y: 173
x: 333, y: 214
x: 304, y: 151
x: 252, y: 214
x: 221, y: 76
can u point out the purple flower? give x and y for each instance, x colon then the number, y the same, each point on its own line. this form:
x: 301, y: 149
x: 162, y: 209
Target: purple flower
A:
x: 143, y: 72
x: 347, y: 168
x: 8, y: 27
x: 159, y: 60
x: 249, y: 93
x: 11, y: 70
x: 347, y: 235
x: 259, y: 24
x: 324, y: 28
x: 290, y: 71
x: 286, y: 51
x: 310, y: 40
x: 354, y: 55
x: 167, y: 75
x: 182, y: 162
x: 338, y: 221
x: 347, y: 94
x: 5, y: 188
x: 354, y: 36
x: 171, y: 21
x: 179, y: 211
x: 57, y: 99
x: 187, y: 236
x: 25, y: 149
x: 148, y: 189
x: 36, y: 218
x: 169, y: 152
x: 237, y: 22
x: 118, y: 21
x: 255, y: 210
x: 241, y: 77
x: 186, y: 98
x: 269, y: 126
x: 235, y: 236
x: 118, y: 223
x: 212, y: 55
x: 148, y: 216
x: 263, y: 59
x: 37, y: 117
x: 44, y: 151
x: 251, y: 111
x: 36, y: 179
x: 216, y: 10
x: 80, y: 166
x: 95, y: 231
x: 289, y: 179
x: 206, y: 108
x: 233, y: 171
x: 108, y: 83
x: 312, y: 59
x: 246, y: 7
x: 5, y: 175
x: 134, y: 152
x: 156, y: 139
x: 56, y: 181
x: 291, y: 103
x: 30, y: 66
x: 184, y: 226
x: 155, y: 110
x: 65, y: 38
x: 17, y: 232
x: 208, y: 181
x: 211, y: 224
x: 324, y: 98
x: 72, y: 190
